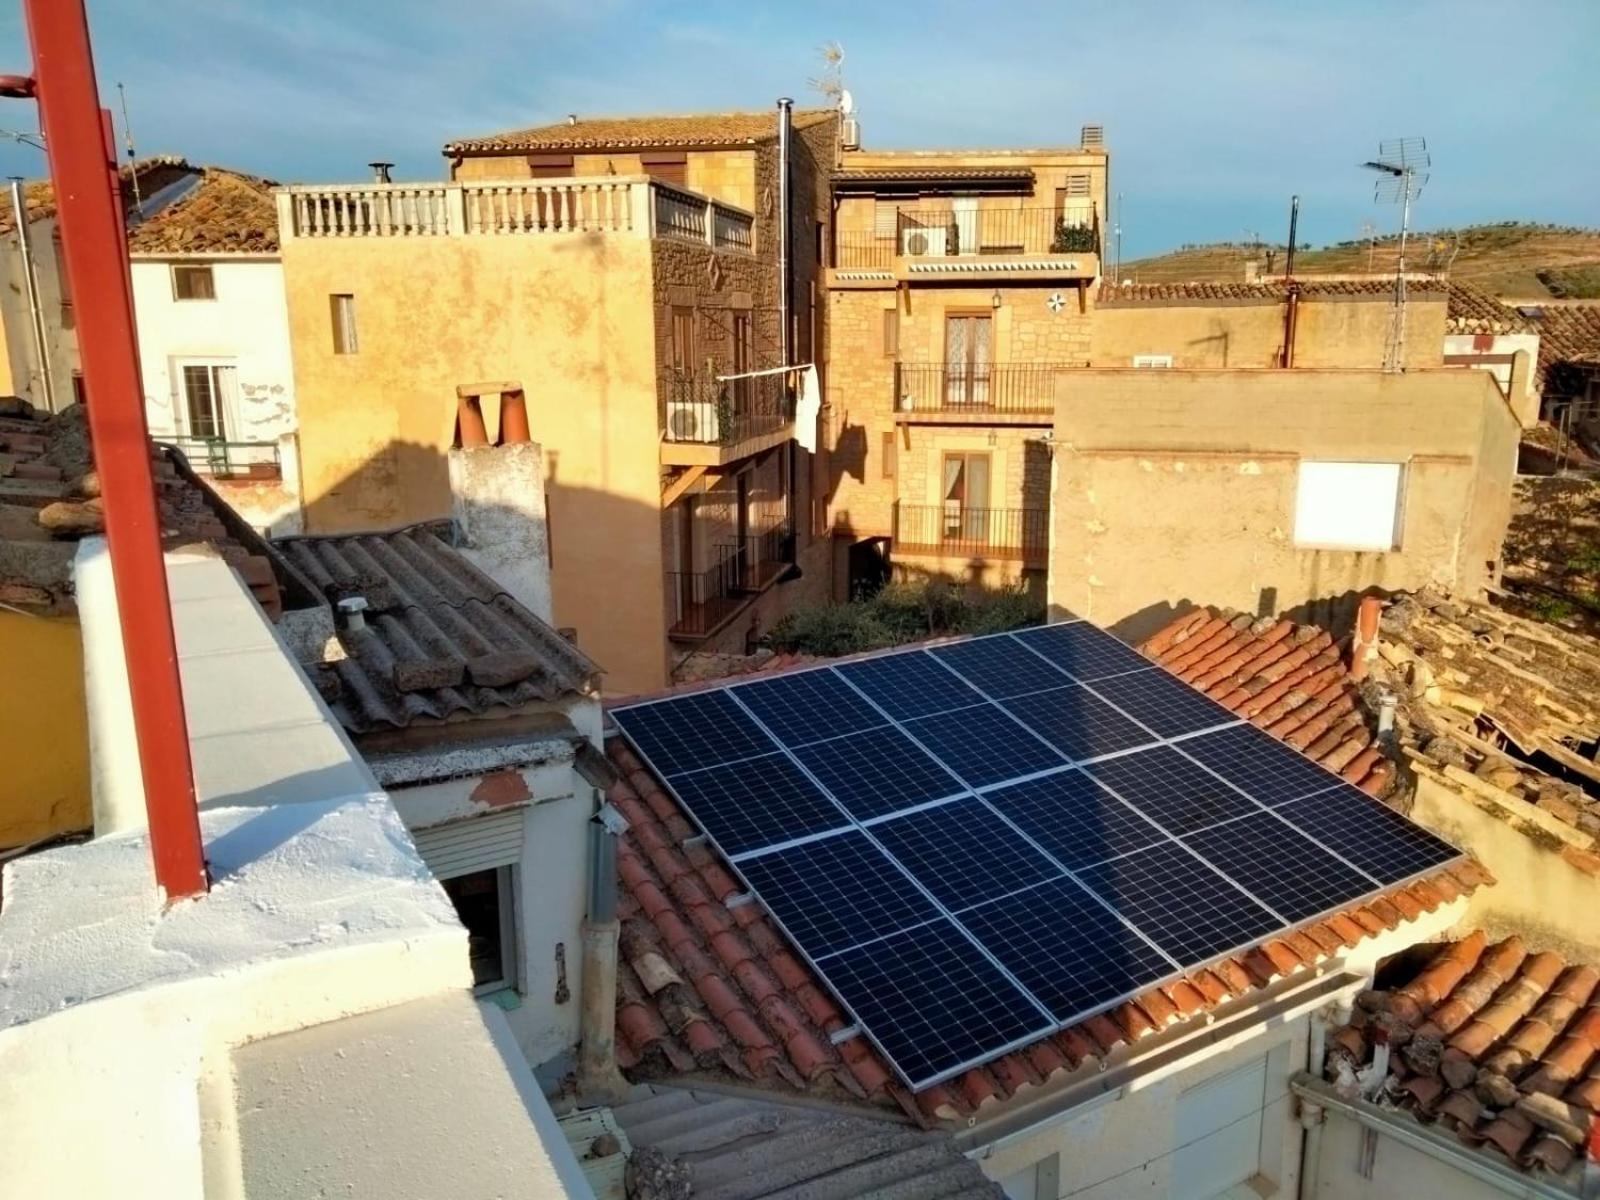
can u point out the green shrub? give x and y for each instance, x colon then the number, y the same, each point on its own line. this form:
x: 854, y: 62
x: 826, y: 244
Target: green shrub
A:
x: 903, y: 612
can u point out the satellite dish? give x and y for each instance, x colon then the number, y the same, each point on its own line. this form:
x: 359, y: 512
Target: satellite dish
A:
x: 847, y: 102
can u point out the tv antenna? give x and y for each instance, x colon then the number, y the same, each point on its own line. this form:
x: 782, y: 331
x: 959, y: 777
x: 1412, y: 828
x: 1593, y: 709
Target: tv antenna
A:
x: 127, y: 137
x: 831, y: 81
x: 1402, y: 166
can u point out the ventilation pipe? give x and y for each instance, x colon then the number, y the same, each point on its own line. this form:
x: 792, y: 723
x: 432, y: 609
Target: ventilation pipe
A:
x: 30, y: 283
x: 785, y: 218
x: 598, y: 1077
x: 380, y: 171
x: 1291, y: 305
x: 1364, y: 641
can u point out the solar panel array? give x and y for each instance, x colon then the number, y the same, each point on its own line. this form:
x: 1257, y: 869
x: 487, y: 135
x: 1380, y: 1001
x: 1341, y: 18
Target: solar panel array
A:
x: 978, y: 844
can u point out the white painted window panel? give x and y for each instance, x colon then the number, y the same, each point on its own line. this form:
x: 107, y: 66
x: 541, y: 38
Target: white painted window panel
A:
x: 1348, y: 505
x: 1156, y: 361
x: 1218, y: 1134
x: 476, y: 844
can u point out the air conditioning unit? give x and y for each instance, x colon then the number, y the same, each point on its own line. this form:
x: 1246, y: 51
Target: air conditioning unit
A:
x: 921, y: 243
x: 692, y: 421
x: 850, y: 134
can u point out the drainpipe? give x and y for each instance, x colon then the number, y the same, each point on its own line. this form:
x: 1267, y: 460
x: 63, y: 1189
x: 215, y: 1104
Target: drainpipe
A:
x: 1291, y: 307
x: 785, y: 284
x: 83, y: 169
x: 598, y: 1077
x: 30, y: 282
x: 1312, y: 1116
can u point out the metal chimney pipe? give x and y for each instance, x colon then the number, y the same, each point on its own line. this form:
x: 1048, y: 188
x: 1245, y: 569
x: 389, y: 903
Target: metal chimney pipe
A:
x: 380, y: 171
x: 1291, y: 304
x: 785, y: 220
x: 30, y: 283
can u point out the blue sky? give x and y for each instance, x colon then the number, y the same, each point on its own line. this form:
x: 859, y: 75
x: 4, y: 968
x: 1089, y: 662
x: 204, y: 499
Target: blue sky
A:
x: 1214, y: 111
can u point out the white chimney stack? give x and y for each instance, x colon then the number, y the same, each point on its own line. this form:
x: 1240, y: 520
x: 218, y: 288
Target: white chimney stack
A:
x: 497, y: 495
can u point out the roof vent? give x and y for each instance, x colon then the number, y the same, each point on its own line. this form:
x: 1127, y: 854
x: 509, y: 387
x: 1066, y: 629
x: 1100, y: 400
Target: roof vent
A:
x: 380, y: 171
x: 351, y: 613
x: 572, y: 118
x: 1093, y: 135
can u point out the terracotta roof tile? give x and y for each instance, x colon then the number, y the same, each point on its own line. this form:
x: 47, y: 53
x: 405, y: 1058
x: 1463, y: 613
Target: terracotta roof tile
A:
x: 1569, y: 333
x: 225, y: 212
x: 624, y: 133
x: 1202, y: 292
x: 1481, y: 1029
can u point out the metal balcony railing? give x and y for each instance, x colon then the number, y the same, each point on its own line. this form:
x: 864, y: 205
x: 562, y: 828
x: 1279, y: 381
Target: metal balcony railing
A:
x: 977, y: 388
x: 222, y: 459
x: 702, y: 601
x: 1014, y: 534
x: 863, y: 251
x: 946, y: 233
x: 699, y: 408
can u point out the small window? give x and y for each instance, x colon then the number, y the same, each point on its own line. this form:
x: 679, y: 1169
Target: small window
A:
x: 683, y: 340
x: 344, y: 323
x: 667, y: 168
x: 891, y: 332
x: 1348, y: 505
x: 888, y: 456
x: 69, y: 318
x: 193, y: 283
x: 550, y: 166
x: 484, y: 902
x: 79, y: 396
x: 1153, y: 361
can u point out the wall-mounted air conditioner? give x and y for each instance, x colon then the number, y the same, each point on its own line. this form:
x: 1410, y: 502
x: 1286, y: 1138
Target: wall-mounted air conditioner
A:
x: 919, y: 243
x: 692, y: 421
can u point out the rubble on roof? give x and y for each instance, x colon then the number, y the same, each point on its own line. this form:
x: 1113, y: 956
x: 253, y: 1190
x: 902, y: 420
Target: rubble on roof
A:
x: 437, y: 639
x: 1496, y: 1044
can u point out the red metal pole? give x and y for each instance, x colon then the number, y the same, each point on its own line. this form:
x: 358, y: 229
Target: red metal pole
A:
x: 83, y: 169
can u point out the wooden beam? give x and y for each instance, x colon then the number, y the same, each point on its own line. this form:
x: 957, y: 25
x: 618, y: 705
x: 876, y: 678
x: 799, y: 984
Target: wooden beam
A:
x: 681, y: 484
x: 1569, y: 760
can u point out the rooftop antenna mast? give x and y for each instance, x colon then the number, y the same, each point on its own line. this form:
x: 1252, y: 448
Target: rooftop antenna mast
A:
x: 127, y: 137
x: 1402, y: 165
x: 831, y: 81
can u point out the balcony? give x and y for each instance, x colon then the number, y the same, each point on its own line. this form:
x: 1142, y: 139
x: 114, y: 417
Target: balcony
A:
x: 217, y: 458
x: 986, y: 243
x: 705, y: 601
x: 955, y: 530
x: 708, y: 422
x: 626, y: 205
x: 990, y: 394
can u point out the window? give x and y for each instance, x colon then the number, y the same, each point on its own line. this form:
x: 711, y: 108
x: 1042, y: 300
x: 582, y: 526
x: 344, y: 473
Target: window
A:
x: 343, y: 306
x: 888, y: 456
x: 550, y: 166
x: 190, y: 282
x: 69, y: 318
x: 1349, y: 505
x: 744, y: 357
x: 668, y: 168
x: 967, y: 340
x: 683, y: 348
x: 1218, y: 1135
x: 79, y: 396
x: 484, y: 902
x: 208, y: 397
x: 891, y: 332
x: 966, y: 498
x: 1154, y: 361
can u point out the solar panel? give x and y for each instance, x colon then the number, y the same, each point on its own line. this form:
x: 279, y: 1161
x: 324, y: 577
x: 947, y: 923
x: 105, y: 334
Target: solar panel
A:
x: 756, y: 802
x: 819, y: 892
x: 978, y: 843
x: 1163, y: 702
x: 909, y: 684
x: 933, y: 1001
x: 1179, y: 903
x: 983, y: 745
x: 964, y: 853
x: 1083, y: 651
x: 1074, y: 819
x: 1078, y: 723
x: 808, y: 706
x: 1000, y: 666
x: 1377, y: 839
x: 1286, y: 871
x: 1177, y: 794
x: 1066, y: 948
x: 1254, y: 760
x: 693, y: 731
x: 876, y: 772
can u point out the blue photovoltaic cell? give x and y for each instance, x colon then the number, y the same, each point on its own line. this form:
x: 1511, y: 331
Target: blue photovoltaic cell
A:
x: 983, y: 745
x: 1067, y: 949
x: 1276, y: 864
x: 1377, y: 839
x: 689, y: 732
x: 836, y: 892
x: 1177, y: 794
x: 909, y: 684
x: 757, y: 802
x: 1076, y: 820
x: 932, y: 1001
x: 878, y: 771
x: 1000, y: 666
x: 963, y: 853
x: 807, y: 706
x: 1083, y: 651
x: 1078, y: 723
x: 1180, y: 904
x: 1163, y: 702
x: 1259, y: 763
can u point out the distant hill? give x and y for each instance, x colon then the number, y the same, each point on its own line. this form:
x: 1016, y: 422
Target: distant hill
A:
x: 1509, y: 259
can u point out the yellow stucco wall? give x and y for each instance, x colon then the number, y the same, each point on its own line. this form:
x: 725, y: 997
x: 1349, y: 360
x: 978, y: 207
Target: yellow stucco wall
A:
x: 44, y: 733
x: 569, y: 317
x: 1175, y: 488
x: 726, y: 175
x: 1332, y: 332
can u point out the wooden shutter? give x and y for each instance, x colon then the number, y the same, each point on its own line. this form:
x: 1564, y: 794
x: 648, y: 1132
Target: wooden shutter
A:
x: 549, y: 166
x: 668, y: 168
x: 475, y: 844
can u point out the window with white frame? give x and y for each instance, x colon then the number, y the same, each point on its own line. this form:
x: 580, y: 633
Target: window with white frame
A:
x: 1349, y: 505
x: 193, y: 281
x: 342, y: 308
x: 208, y: 394
x: 1158, y: 361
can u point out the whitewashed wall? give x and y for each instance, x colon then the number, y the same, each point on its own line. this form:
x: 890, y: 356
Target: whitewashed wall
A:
x: 248, y: 322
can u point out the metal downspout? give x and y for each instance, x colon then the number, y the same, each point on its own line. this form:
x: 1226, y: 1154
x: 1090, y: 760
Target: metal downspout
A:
x: 30, y: 282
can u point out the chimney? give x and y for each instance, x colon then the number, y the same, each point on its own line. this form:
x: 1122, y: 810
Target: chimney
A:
x: 598, y: 1077
x: 498, y: 502
x: 380, y: 171
x: 1364, y: 641
x: 572, y: 118
x: 1092, y: 135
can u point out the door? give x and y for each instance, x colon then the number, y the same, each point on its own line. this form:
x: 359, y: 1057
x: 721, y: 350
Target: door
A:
x: 869, y: 567
x: 965, y: 209
x: 686, y: 575
x: 967, y: 356
x: 744, y: 344
x: 965, y: 516
x: 208, y: 397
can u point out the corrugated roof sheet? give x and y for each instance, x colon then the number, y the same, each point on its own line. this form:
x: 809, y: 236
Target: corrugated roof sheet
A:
x: 442, y: 638
x: 608, y: 133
